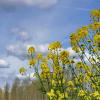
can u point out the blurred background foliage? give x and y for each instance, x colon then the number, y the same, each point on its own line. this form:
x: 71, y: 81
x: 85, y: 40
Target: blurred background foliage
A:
x: 22, y: 90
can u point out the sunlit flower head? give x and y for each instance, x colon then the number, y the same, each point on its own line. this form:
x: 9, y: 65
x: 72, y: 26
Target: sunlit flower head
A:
x: 95, y: 13
x: 31, y: 50
x: 95, y: 26
x: 82, y: 32
x: 39, y: 56
x: 55, y: 45
x: 22, y: 70
x: 32, y: 62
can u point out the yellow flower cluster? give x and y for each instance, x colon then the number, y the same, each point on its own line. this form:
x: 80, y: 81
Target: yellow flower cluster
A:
x: 97, y: 38
x: 82, y: 93
x: 96, y: 95
x: 50, y: 55
x: 83, y: 66
x: 57, y: 95
x: 65, y: 77
x: 45, y: 71
x: 53, y: 76
x: 51, y: 94
x: 77, y: 36
x: 54, y: 45
x: 95, y: 13
x: 62, y: 96
x: 64, y: 56
x: 74, y: 38
x: 82, y: 32
x: 95, y: 26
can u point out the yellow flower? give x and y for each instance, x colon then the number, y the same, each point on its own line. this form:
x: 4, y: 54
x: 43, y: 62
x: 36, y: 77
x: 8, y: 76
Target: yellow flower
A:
x: 50, y: 56
x: 45, y: 74
x: 46, y: 70
x: 82, y: 32
x: 55, y: 59
x: 86, y: 78
x: 44, y: 65
x: 32, y: 62
x: 97, y: 38
x: 93, y: 86
x: 83, y: 66
x: 82, y: 93
x: 95, y: 26
x: 95, y: 50
x: 74, y: 38
x: 76, y: 48
x: 62, y: 96
x: 39, y: 56
x: 95, y: 13
x: 54, y: 82
x: 96, y: 94
x: 64, y: 54
x: 61, y: 81
x: 57, y: 69
x: 89, y: 73
x: 31, y: 50
x: 22, y: 70
x: 79, y: 65
x: 51, y: 94
x: 70, y: 83
x: 54, y: 45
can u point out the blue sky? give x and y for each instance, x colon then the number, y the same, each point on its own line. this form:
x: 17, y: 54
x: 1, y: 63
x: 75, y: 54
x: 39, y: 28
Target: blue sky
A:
x: 37, y: 22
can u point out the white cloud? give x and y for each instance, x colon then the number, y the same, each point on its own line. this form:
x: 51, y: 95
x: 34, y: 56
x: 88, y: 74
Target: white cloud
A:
x: 38, y: 3
x: 72, y: 52
x: 17, y: 50
x: 43, y: 48
x: 3, y: 64
x: 20, y: 50
x: 9, y: 74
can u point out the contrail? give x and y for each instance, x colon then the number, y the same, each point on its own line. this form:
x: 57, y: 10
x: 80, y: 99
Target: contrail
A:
x: 76, y: 8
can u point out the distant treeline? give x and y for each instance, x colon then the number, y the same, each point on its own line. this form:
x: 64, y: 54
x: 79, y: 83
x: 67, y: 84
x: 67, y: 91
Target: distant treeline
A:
x: 22, y: 90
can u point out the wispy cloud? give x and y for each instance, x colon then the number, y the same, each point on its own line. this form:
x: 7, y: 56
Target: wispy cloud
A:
x: 37, y: 3
x: 83, y: 9
x: 75, y: 8
x: 21, y: 34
